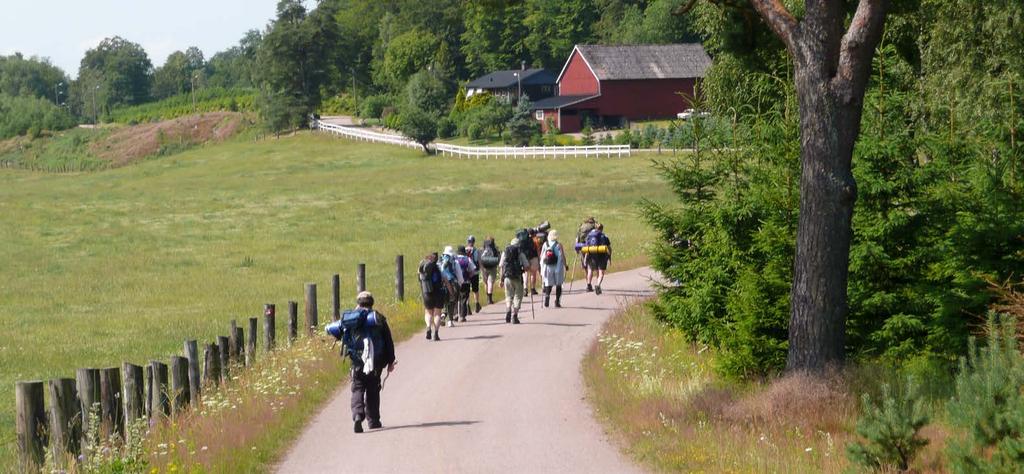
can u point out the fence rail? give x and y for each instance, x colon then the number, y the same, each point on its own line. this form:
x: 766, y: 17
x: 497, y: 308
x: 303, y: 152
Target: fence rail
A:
x: 478, y: 152
x: 55, y: 414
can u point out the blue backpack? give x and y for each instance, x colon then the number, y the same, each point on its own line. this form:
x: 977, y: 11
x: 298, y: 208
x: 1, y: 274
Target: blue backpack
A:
x: 595, y: 237
x: 446, y: 268
x: 352, y: 328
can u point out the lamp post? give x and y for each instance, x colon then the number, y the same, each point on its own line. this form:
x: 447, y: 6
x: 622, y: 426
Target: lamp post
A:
x: 95, y: 111
x: 195, y: 75
x: 519, y: 86
x: 56, y: 92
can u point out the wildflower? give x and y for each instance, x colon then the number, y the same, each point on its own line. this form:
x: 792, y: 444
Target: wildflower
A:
x: 204, y: 448
x: 808, y: 450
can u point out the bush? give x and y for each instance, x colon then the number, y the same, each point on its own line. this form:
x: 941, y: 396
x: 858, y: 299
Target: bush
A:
x: 373, y: 106
x: 392, y: 121
x: 446, y: 127
x: 475, y: 131
x: 23, y: 114
x: 890, y: 430
x: 341, y: 104
x: 419, y: 126
x: 989, y: 405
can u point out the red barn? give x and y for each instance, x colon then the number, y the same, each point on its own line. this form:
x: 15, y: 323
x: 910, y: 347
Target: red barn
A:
x: 609, y: 85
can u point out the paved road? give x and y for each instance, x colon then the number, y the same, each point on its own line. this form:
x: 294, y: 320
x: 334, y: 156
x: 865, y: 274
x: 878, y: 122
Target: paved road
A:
x: 489, y: 397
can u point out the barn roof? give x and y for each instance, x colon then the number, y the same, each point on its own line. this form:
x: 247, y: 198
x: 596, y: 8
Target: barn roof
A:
x: 503, y: 79
x: 559, y: 101
x: 646, y: 61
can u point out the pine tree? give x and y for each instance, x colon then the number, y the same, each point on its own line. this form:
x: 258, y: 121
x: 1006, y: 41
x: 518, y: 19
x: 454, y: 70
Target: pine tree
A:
x: 890, y: 429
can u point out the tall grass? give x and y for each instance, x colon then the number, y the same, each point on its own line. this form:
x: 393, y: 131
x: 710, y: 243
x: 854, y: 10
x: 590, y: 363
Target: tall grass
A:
x: 124, y: 264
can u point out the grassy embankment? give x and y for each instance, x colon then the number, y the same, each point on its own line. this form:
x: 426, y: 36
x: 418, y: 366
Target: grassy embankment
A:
x: 659, y: 396
x: 124, y: 264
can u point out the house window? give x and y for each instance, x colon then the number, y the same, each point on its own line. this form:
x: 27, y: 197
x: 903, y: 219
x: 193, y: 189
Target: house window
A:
x: 539, y: 115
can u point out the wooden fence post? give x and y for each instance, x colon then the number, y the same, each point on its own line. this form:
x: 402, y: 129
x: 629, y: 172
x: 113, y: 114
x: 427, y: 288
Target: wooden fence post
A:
x: 65, y: 418
x: 149, y: 390
x: 194, y: 383
x: 159, y: 399
x: 293, y: 321
x: 31, y: 422
x: 250, y: 347
x: 239, y: 355
x: 400, y: 277
x: 134, y: 393
x: 179, y: 384
x: 336, y: 297
x: 269, y: 326
x: 225, y: 357
x: 360, y: 277
x: 234, y: 346
x: 311, y: 313
x: 87, y: 381
x: 111, y: 406
x: 212, y: 366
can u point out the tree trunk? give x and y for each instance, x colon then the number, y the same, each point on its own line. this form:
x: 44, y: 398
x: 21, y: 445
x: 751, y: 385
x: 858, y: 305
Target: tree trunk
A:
x: 831, y: 73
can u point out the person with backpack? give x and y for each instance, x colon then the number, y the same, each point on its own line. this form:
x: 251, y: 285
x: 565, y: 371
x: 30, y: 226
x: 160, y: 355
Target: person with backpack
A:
x: 474, y: 281
x: 553, y: 267
x: 588, y: 225
x: 532, y: 253
x: 453, y: 279
x: 366, y: 341
x: 490, y: 256
x: 434, y: 295
x: 512, y: 264
x: 468, y: 272
x: 597, y: 252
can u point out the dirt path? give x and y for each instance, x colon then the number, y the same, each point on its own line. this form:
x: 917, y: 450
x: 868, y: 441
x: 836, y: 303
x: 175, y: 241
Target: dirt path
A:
x: 489, y: 397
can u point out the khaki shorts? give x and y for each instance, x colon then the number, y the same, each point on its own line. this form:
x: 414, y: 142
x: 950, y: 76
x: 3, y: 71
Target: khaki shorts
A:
x: 534, y: 264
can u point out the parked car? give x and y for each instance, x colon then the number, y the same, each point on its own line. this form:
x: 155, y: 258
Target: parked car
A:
x: 690, y: 113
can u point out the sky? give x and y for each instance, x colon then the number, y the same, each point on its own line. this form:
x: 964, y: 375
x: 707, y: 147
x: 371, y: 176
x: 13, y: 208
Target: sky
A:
x: 63, y: 30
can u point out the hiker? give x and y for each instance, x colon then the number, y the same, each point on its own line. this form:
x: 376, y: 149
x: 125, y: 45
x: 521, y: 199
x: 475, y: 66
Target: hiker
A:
x: 513, y: 262
x: 468, y: 272
x: 597, y: 252
x: 434, y: 295
x: 588, y: 225
x: 532, y: 252
x: 366, y: 340
x: 553, y: 267
x: 490, y: 256
x: 474, y: 281
x: 453, y: 279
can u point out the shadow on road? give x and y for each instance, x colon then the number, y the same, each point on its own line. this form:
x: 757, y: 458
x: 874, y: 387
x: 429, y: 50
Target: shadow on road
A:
x: 432, y: 424
x: 471, y: 338
x: 568, y: 325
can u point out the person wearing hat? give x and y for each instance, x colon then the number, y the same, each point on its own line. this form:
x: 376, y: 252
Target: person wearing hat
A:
x: 377, y: 353
x: 474, y: 281
x: 452, y: 273
x: 553, y: 267
x: 511, y: 267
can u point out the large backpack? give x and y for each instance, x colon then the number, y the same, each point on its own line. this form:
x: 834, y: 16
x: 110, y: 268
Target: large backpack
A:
x: 489, y: 258
x: 513, y: 267
x: 594, y: 238
x: 585, y: 228
x: 430, y: 278
x: 356, y: 325
x: 463, y: 262
x: 525, y: 242
x: 551, y: 255
x: 447, y: 270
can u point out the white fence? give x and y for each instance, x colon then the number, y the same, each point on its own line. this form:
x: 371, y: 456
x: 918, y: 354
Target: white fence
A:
x: 365, y: 135
x: 485, y: 152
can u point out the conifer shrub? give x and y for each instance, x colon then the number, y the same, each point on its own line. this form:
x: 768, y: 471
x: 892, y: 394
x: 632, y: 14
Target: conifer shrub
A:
x: 988, y: 408
x: 889, y: 427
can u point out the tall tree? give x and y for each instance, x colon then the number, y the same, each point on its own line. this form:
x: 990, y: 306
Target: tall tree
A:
x: 123, y: 69
x: 32, y: 77
x: 555, y: 26
x: 832, y: 65
x: 235, y: 66
x: 177, y: 74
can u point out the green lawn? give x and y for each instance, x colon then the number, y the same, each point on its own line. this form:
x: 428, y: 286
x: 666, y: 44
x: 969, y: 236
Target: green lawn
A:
x: 122, y: 265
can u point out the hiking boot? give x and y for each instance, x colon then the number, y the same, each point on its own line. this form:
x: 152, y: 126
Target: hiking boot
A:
x: 477, y: 306
x: 558, y: 302
x: 597, y: 289
x: 437, y: 334
x: 533, y: 291
x: 508, y: 316
x: 375, y: 425
x: 515, y: 318
x: 428, y: 334
x: 589, y: 288
x: 547, y: 301
x: 358, y: 428
x: 462, y: 319
x: 490, y: 298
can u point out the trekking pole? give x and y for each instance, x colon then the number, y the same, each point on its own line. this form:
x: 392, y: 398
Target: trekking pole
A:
x: 533, y: 315
x: 573, y: 277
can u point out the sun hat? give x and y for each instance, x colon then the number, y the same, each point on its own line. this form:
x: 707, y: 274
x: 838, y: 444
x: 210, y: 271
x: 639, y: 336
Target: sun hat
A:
x: 449, y: 250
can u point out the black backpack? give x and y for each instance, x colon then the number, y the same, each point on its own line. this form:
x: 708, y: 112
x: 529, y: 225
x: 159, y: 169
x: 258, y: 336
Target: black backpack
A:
x: 513, y: 267
x: 430, y: 277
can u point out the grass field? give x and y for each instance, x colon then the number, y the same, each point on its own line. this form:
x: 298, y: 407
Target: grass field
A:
x: 124, y: 264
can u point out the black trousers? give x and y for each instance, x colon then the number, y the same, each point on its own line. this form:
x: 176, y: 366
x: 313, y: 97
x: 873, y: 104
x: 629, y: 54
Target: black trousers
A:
x: 365, y: 395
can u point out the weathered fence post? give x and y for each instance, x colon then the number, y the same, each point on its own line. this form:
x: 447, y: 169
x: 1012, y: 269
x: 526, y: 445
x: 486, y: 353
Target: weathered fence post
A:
x: 211, y: 370
x: 134, y: 393
x: 65, y: 418
x: 240, y: 355
x: 31, y: 422
x: 293, y: 321
x: 233, y: 345
x: 250, y: 347
x: 225, y: 357
x: 194, y: 383
x: 149, y: 390
x: 400, y: 277
x: 360, y: 277
x: 336, y: 297
x: 311, y: 313
x: 269, y: 326
x: 111, y: 407
x: 179, y: 384
x: 159, y: 399
x: 87, y: 381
